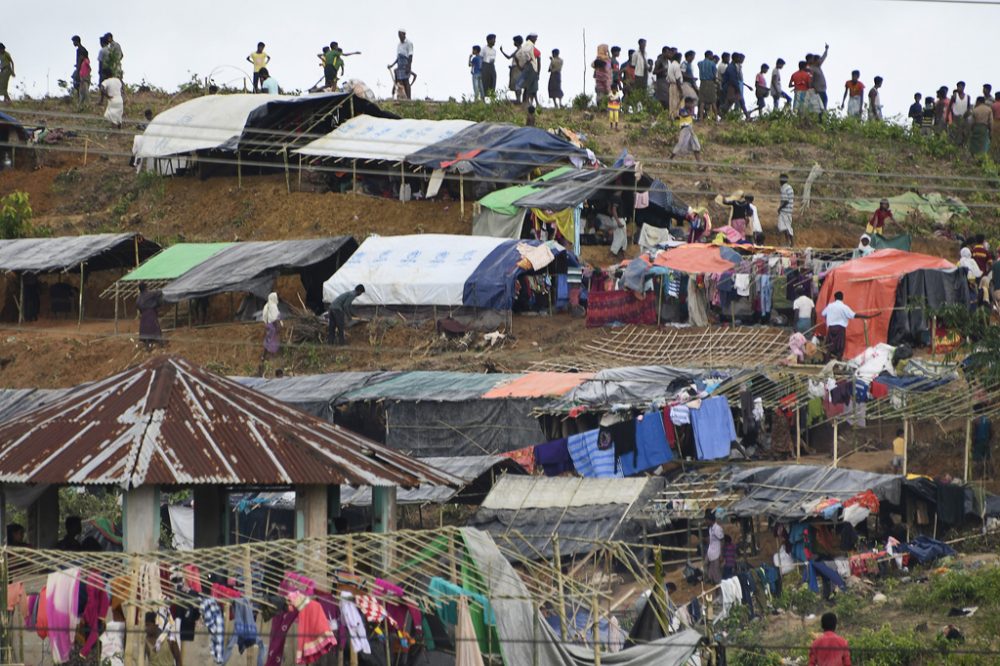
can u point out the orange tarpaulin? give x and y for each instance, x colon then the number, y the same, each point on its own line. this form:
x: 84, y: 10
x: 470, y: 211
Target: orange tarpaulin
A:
x: 694, y: 258
x: 869, y: 286
x: 539, y: 385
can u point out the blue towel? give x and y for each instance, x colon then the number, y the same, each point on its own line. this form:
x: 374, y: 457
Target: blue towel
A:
x: 579, y: 451
x: 714, y: 430
x: 651, y: 448
x: 602, y: 457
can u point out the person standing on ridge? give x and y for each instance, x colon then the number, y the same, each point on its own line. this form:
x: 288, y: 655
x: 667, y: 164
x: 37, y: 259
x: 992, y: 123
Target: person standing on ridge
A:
x: 81, y: 71
x: 785, y: 206
x: 854, y: 95
x: 875, y: 100
x: 404, y: 63
x: 259, y: 60
x: 489, y: 54
x: 6, y: 72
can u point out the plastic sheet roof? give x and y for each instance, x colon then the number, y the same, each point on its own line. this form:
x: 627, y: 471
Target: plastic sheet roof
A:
x: 637, y: 386
x: 169, y: 422
x: 503, y: 200
x: 365, y: 137
x: 568, y: 190
x: 543, y: 492
x: 175, y: 261
x: 253, y: 266
x: 314, y: 394
x: 694, y: 258
x: 430, y: 386
x: 539, y: 385
x: 63, y: 253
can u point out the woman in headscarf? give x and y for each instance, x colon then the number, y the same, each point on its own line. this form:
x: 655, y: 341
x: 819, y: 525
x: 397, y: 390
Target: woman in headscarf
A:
x: 973, y: 271
x: 602, y: 71
x: 271, y: 317
x: 148, y: 303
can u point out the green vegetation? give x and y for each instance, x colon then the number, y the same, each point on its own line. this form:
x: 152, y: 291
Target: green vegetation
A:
x: 958, y: 588
x: 15, y: 215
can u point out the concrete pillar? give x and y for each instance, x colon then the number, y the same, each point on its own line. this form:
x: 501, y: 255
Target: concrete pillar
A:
x: 141, y: 519
x: 43, y: 519
x: 209, y: 509
x: 383, y: 509
x: 310, y: 522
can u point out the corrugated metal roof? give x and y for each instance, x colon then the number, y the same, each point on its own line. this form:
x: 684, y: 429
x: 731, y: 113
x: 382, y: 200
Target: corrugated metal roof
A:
x: 169, y: 422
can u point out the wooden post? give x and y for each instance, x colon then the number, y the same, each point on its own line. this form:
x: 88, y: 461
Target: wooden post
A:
x: 402, y: 182
x: 559, y: 587
x: 300, y: 173
x: 248, y: 591
x: 968, y: 449
x: 798, y: 432
x: 597, y: 630
x: 659, y: 595
x: 135, y: 245
x: 86, y: 149
x: 79, y: 314
x: 452, y: 561
x: 239, y: 170
x: 354, y: 176
x: 836, y: 442
x: 288, y: 181
x: 20, y: 302
x: 906, y: 443
x: 933, y: 336
x: 117, y: 287
x: 461, y: 193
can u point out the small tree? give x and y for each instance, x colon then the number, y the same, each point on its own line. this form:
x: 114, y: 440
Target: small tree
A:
x: 15, y: 215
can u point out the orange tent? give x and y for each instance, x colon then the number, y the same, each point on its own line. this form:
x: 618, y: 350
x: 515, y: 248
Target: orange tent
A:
x: 539, y: 385
x: 694, y: 258
x: 869, y: 286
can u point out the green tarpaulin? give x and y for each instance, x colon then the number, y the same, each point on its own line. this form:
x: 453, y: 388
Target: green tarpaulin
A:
x: 901, y: 242
x: 934, y: 206
x: 175, y: 261
x: 502, y: 201
x: 431, y: 386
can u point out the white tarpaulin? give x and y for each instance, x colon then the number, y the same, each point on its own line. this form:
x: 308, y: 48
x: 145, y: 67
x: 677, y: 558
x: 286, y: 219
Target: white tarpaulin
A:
x: 182, y: 526
x: 543, y: 492
x: 198, y: 124
x: 423, y: 269
x: 369, y: 138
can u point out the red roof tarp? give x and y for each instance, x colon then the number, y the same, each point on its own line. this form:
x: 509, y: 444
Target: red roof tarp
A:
x: 869, y: 286
x: 694, y: 258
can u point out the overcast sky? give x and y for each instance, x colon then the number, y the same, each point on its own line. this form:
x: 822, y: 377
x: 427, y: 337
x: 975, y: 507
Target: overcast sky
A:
x: 915, y: 46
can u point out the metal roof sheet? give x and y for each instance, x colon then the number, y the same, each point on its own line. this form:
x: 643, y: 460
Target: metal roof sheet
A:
x: 169, y: 422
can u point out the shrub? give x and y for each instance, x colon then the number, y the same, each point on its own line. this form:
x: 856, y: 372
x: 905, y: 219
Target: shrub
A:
x: 581, y: 102
x: 15, y: 215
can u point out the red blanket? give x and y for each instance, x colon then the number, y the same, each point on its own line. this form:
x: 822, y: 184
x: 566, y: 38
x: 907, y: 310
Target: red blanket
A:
x: 606, y: 307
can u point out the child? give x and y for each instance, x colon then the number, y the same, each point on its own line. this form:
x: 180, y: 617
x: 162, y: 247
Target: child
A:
x: 687, y: 142
x: 476, y: 66
x: 167, y: 653
x: 614, y: 107
x: 729, y: 552
x: 761, y: 88
x: 755, y: 226
x: 555, y: 79
x: 530, y: 120
x: 898, y: 450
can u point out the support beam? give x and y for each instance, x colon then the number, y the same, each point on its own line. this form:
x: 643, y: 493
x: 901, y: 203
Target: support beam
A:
x: 79, y: 318
x: 906, y: 445
x: 43, y: 521
x: 384, y: 509
x: 209, y: 506
x: 141, y: 519
x: 968, y: 449
x: 836, y: 442
x: 310, y: 522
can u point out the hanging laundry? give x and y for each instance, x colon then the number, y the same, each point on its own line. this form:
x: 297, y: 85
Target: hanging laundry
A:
x: 316, y: 636
x: 280, y: 626
x: 554, y: 457
x: 680, y: 415
x: 467, y: 651
x: 62, y: 604
x: 714, y: 430
x: 578, y: 447
x: 351, y: 617
x: 651, y: 445
x: 211, y: 615
x: 94, y: 611
x: 766, y: 292
x: 741, y: 282
x: 623, y: 435
x: 524, y: 457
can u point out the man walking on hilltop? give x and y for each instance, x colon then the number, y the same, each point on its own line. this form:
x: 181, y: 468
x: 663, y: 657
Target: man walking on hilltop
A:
x: 404, y: 63
x: 708, y: 91
x: 777, y: 92
x: 854, y: 94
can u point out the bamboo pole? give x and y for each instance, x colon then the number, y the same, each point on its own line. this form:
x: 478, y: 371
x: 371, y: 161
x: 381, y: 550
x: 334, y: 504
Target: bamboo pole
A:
x: 354, y: 176
x: 288, y: 180
x: 117, y: 287
x: 559, y: 587
x: 798, y: 432
x: 239, y: 170
x: 20, y: 302
x: 300, y: 173
x: 402, y: 183
x: 968, y: 449
x: 906, y: 444
x: 461, y: 193
x: 79, y: 313
x: 248, y: 592
x: 86, y: 149
x: 836, y: 442
x: 933, y: 336
x: 594, y: 608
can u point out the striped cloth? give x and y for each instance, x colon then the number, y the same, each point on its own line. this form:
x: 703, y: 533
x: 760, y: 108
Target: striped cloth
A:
x: 589, y: 459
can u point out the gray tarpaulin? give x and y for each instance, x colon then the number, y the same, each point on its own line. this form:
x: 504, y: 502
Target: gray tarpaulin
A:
x: 578, y: 528
x: 568, y: 190
x: 786, y: 491
x: 639, y: 385
x: 431, y: 385
x: 314, y: 394
x: 497, y: 225
x: 919, y: 294
x: 252, y: 267
x: 63, y: 253
x: 526, y: 638
x: 464, y: 428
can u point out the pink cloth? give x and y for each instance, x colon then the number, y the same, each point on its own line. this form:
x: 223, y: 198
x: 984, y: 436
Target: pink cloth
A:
x: 61, y: 598
x: 641, y: 200
x: 732, y: 235
x: 797, y: 344
x: 98, y: 603
x: 397, y: 610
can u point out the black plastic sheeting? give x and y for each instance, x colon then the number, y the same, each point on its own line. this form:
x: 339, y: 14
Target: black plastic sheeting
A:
x: 664, y: 208
x: 253, y: 267
x: 464, y: 428
x: 918, y: 294
x: 63, y: 253
x: 782, y: 491
x: 314, y: 394
x: 505, y: 152
x: 569, y: 190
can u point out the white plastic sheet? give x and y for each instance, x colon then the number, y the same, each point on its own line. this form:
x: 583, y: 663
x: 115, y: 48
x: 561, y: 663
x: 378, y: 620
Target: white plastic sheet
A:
x: 369, y: 138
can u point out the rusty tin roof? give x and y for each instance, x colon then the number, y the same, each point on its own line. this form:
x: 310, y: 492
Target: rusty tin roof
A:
x: 170, y: 422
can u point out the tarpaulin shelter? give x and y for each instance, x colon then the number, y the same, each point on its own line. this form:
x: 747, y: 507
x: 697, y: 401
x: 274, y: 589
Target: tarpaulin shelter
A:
x: 920, y: 293
x: 498, y: 152
x: 252, y: 127
x: 370, y: 138
x: 502, y: 212
x: 869, y: 285
x: 252, y: 267
x: 315, y: 394
x: 62, y: 254
x: 695, y: 258
x: 12, y: 135
x: 636, y: 386
x: 435, y: 270
x: 934, y: 206
x: 534, y: 509
x: 165, y: 266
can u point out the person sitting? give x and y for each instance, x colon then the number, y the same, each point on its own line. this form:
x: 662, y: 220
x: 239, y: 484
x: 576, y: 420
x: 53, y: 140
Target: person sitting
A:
x: 864, y: 247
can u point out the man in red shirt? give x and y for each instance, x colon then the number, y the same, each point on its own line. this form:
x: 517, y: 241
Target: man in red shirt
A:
x: 876, y: 225
x: 801, y: 82
x: 829, y: 649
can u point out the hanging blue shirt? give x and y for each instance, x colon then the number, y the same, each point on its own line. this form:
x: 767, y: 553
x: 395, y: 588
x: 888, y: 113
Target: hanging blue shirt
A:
x: 651, y: 448
x: 714, y: 430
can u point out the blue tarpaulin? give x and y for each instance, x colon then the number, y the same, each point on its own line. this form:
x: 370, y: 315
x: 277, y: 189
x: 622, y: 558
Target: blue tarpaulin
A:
x: 491, y: 285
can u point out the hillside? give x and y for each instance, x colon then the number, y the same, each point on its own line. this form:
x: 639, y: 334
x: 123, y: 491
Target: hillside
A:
x: 84, y: 184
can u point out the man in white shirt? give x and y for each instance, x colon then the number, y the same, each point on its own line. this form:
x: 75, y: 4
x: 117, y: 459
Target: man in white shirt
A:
x: 838, y: 314
x: 489, y: 65
x: 803, y: 306
x: 785, y: 209
x: 755, y: 226
x: 404, y: 63
x: 713, y: 556
x: 638, y: 62
x: 674, y: 78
